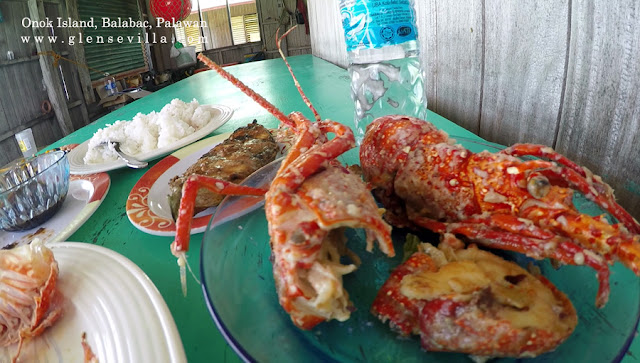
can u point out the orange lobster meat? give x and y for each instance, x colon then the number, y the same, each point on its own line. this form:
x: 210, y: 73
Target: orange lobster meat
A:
x: 426, y: 180
x: 29, y: 300
x: 311, y: 199
x: 471, y: 301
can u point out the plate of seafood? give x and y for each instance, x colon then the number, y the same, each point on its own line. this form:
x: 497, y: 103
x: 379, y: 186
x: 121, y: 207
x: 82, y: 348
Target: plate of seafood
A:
x: 154, y: 200
x: 85, y: 194
x: 95, y: 304
x: 492, y: 255
x: 147, y: 136
x: 499, y: 263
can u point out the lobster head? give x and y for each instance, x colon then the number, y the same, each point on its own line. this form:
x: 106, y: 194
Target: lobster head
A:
x: 387, y: 142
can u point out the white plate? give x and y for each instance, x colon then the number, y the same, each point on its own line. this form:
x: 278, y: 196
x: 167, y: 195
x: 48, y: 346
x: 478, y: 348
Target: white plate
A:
x: 114, y: 302
x: 76, y: 156
x: 86, y: 193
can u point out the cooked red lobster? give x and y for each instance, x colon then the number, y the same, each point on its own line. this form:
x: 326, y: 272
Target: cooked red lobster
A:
x: 471, y: 301
x: 29, y: 300
x: 426, y: 180
x: 312, y: 198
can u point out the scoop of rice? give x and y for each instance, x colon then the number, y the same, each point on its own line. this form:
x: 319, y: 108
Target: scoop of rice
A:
x: 147, y: 132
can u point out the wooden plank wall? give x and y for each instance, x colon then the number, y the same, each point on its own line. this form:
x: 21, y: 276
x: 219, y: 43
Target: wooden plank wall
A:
x: 76, y: 99
x: 298, y: 42
x: 327, y: 37
x: 22, y: 91
x: 565, y: 74
x: 218, y: 31
x: 600, y: 115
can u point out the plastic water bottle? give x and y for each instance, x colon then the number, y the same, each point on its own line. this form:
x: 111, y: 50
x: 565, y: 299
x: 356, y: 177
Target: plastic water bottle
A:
x: 384, y: 62
x: 109, y: 85
x: 26, y: 142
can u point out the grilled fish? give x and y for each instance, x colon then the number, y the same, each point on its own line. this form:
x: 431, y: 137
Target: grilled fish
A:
x: 247, y: 149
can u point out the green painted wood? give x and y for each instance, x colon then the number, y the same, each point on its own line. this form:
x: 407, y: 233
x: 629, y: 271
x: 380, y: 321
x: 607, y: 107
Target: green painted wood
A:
x: 326, y: 85
x: 107, y: 55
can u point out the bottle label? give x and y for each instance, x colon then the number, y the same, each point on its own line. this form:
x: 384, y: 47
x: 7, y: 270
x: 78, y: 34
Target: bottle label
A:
x: 375, y: 24
x: 24, y: 145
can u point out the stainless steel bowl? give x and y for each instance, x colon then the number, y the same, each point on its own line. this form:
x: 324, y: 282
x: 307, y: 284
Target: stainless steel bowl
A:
x: 32, y: 190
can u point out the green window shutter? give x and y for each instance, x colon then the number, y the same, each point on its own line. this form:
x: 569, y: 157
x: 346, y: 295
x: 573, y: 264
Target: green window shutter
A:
x: 116, y: 58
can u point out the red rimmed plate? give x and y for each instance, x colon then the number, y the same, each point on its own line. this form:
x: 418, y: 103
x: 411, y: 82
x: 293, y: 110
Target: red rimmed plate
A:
x: 147, y: 205
x: 86, y: 193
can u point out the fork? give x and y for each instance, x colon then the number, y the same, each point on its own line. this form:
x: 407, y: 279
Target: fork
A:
x: 131, y: 161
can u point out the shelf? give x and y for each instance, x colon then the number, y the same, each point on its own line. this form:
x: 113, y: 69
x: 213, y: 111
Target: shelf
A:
x: 5, y: 62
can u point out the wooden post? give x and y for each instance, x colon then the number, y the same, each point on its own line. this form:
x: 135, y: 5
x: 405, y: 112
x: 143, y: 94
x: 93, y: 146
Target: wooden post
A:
x: 49, y: 72
x: 78, y: 54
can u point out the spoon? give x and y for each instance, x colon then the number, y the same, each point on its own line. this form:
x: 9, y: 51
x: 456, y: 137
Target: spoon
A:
x: 130, y: 160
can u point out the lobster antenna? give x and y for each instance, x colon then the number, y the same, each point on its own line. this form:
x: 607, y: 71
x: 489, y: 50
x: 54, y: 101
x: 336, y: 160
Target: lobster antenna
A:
x: 248, y: 91
x: 295, y: 80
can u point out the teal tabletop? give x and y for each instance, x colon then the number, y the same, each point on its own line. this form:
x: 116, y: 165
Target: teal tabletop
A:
x: 326, y: 85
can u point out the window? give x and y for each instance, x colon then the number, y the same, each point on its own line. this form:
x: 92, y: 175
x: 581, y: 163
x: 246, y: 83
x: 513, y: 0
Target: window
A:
x: 118, y: 59
x: 245, y: 28
x: 190, y: 34
x: 237, y: 28
x: 228, y: 22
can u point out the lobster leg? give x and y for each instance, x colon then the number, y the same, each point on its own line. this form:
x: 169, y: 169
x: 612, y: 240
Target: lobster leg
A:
x: 607, y: 201
x: 187, y: 204
x: 576, y: 176
x: 180, y: 245
x: 306, y: 139
x: 557, y: 248
x: 542, y: 151
x: 312, y: 160
x: 611, y: 241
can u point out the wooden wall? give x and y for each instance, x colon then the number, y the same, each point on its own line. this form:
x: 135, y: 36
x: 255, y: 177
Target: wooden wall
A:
x: 270, y: 12
x: 327, y: 37
x: 218, y: 33
x: 565, y: 74
x: 23, y: 89
x: 219, y: 39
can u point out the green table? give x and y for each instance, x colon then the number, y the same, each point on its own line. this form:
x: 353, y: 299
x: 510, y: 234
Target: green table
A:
x: 326, y: 85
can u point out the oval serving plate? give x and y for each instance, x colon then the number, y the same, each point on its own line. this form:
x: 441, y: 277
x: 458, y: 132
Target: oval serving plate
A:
x: 236, y: 252
x: 76, y: 156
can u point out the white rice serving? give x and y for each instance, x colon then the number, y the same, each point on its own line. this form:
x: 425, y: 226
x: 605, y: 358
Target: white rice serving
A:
x: 146, y: 133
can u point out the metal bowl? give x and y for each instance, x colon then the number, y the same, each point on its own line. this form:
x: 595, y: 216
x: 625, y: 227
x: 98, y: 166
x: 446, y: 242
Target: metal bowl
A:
x: 32, y: 190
